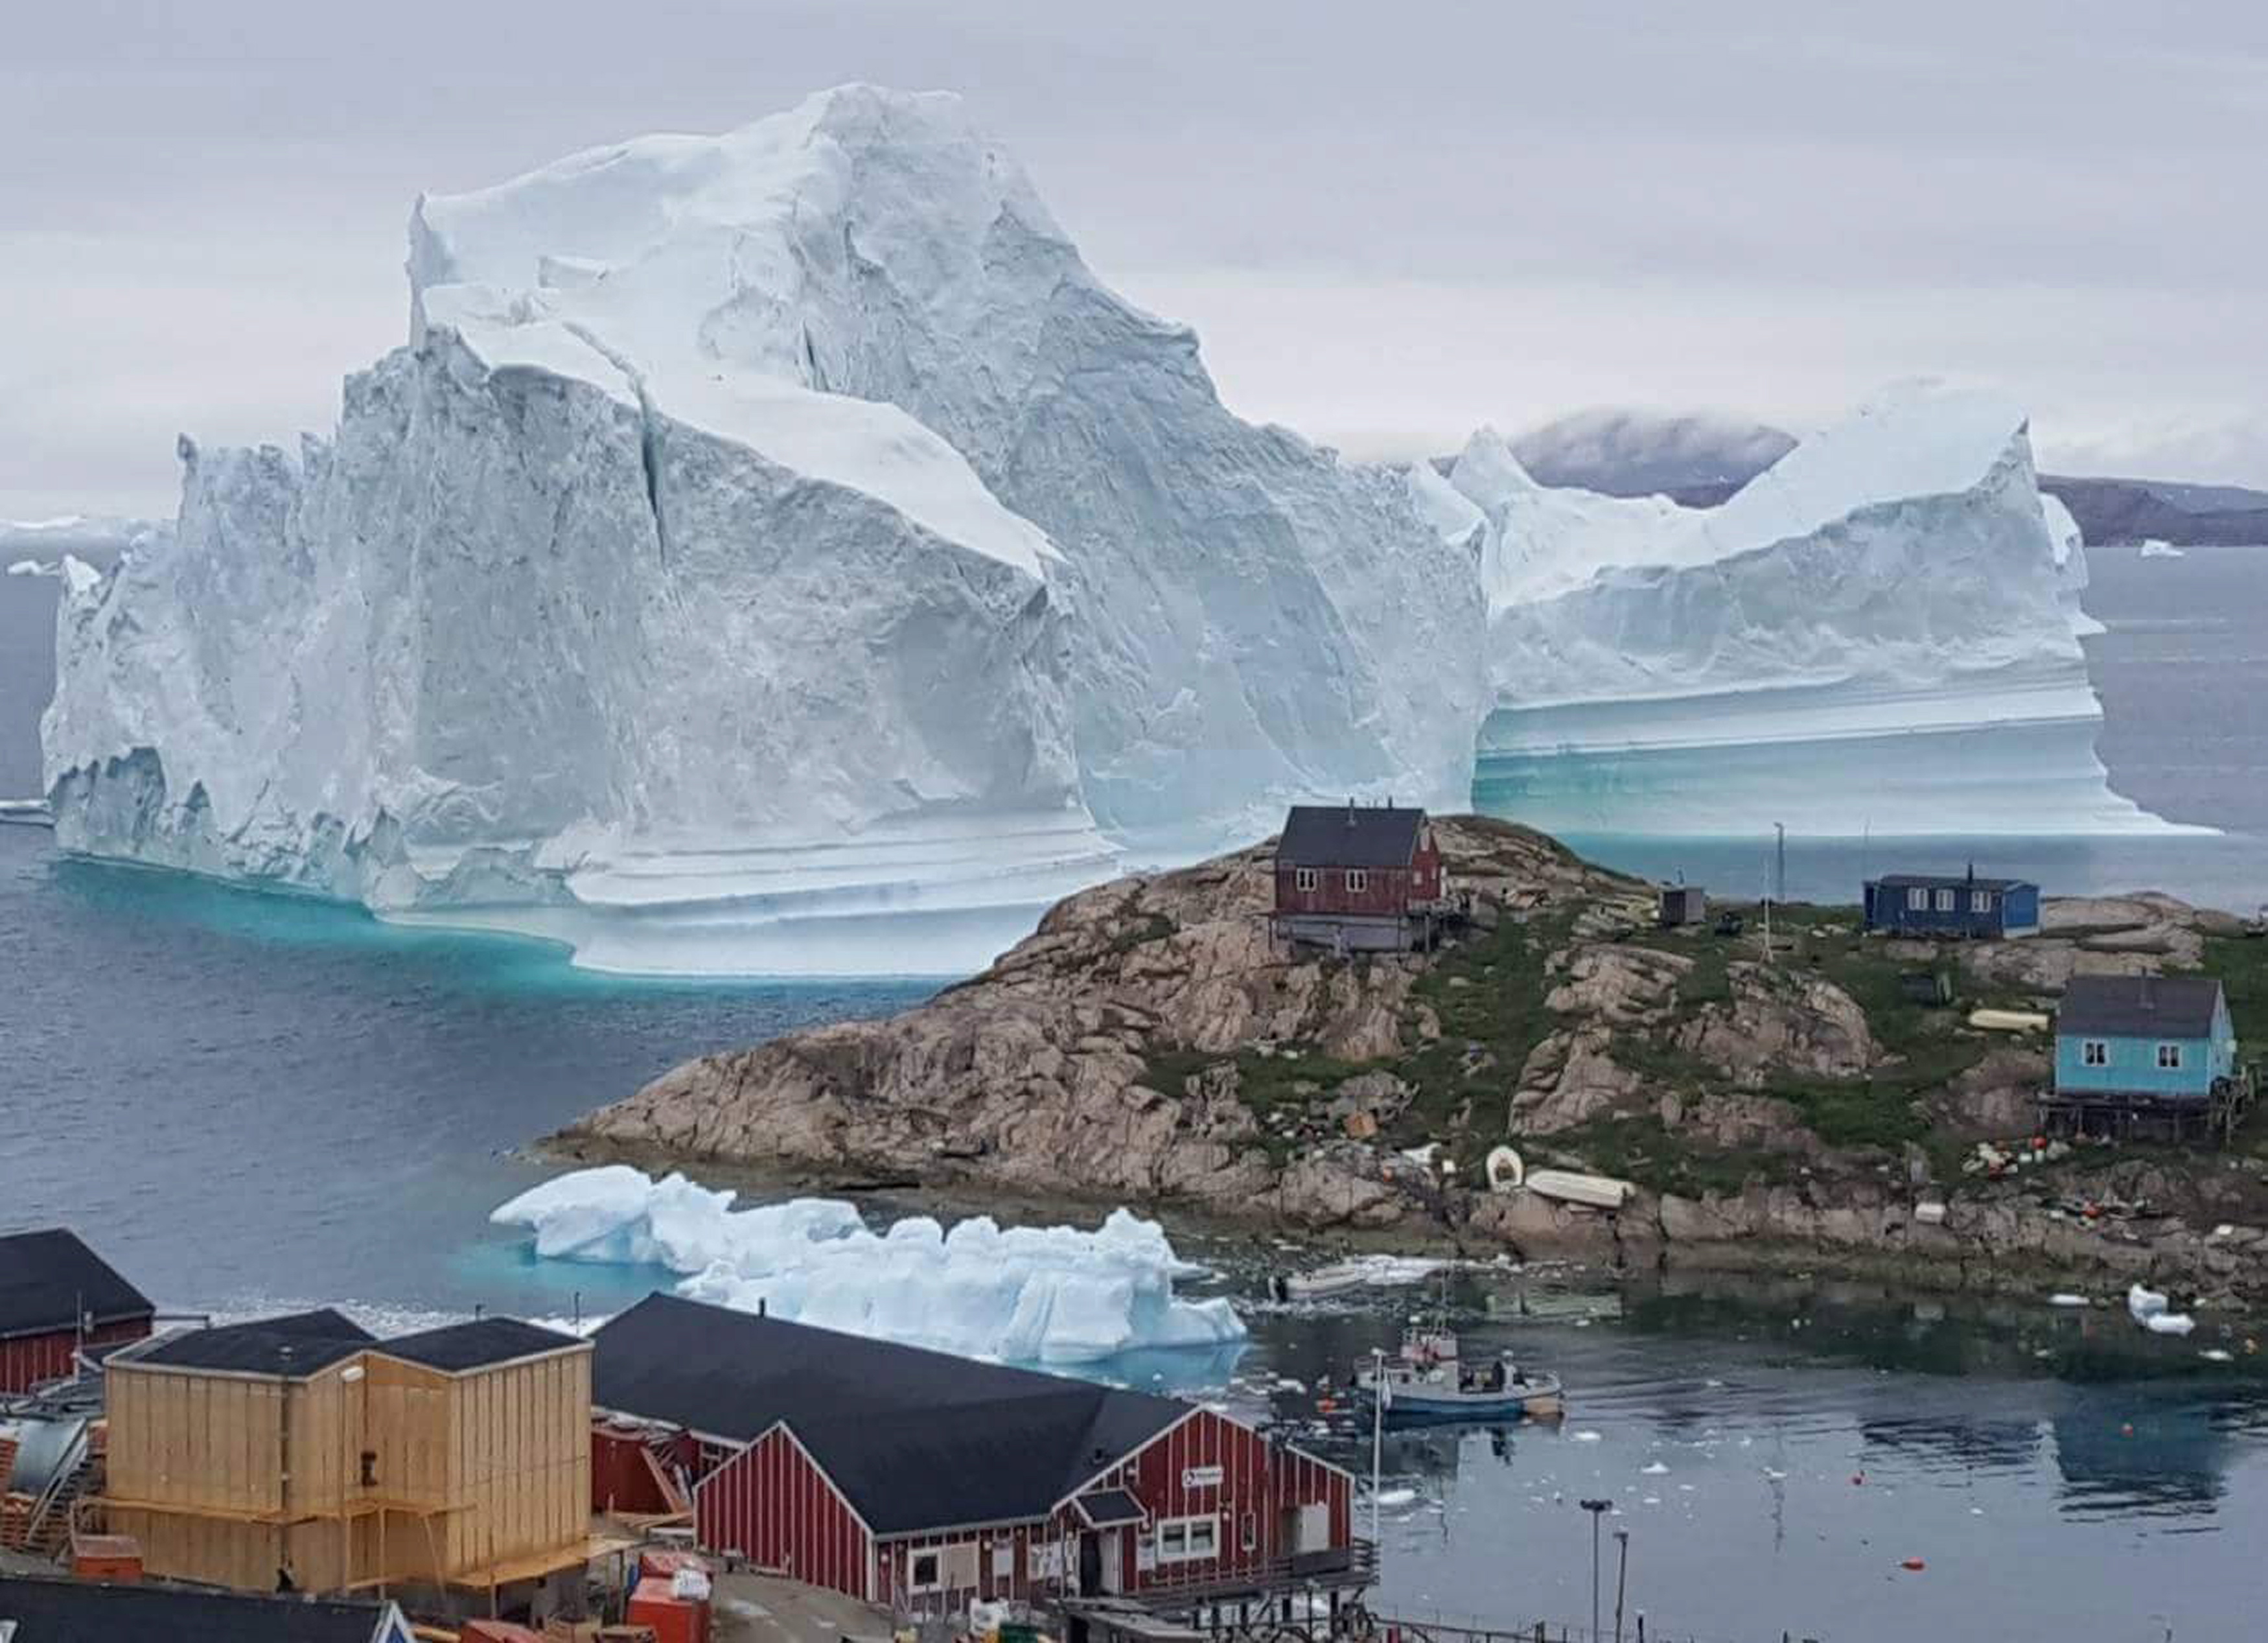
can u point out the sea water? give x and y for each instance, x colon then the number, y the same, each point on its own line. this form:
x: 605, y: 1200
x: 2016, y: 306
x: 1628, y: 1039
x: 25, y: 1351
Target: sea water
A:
x: 249, y: 1101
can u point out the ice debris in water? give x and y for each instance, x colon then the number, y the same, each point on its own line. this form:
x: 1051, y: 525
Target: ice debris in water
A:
x: 1395, y: 1497
x: 2062, y: 1299
x: 1655, y: 1470
x: 1025, y: 1294
x: 2148, y: 1308
x: 1586, y: 1437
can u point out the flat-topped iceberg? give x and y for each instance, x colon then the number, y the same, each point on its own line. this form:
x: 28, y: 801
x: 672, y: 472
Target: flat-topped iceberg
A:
x: 1022, y: 1295
x: 1880, y: 631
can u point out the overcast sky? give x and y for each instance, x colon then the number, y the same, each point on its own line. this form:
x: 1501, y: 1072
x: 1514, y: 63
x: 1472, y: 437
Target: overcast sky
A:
x: 1388, y: 222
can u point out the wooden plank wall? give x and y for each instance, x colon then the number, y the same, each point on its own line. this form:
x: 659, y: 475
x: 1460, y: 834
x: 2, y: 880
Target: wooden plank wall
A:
x: 522, y: 1460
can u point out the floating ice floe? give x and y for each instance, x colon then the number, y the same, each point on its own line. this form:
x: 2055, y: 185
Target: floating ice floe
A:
x: 2218, y: 1355
x: 1394, y: 1497
x: 2064, y: 1299
x: 2169, y: 1323
x: 1024, y: 1294
x: 1584, y: 1437
x: 2144, y: 1303
x: 1655, y: 1470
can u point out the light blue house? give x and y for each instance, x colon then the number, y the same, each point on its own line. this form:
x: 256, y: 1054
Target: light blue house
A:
x: 2145, y: 1046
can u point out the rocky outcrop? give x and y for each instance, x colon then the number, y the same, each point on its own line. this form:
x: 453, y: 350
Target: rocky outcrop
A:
x: 1152, y: 1041
x: 1063, y: 1066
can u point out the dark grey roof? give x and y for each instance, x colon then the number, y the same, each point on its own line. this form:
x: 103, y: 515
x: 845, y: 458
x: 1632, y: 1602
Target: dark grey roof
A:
x: 456, y: 1347
x: 1103, y: 1507
x: 1949, y: 882
x: 297, y: 1344
x: 48, y: 1277
x: 914, y: 1438
x: 2139, y: 1006
x: 81, y: 1611
x: 1349, y: 836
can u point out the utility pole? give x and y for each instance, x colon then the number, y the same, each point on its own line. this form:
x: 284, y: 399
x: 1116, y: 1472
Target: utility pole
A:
x: 1597, y: 1509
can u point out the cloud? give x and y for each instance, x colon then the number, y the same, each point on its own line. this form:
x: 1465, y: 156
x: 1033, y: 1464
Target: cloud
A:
x: 1383, y: 234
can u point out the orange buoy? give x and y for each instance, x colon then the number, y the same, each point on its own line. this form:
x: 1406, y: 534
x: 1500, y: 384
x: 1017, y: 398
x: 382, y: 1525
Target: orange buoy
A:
x: 1913, y: 1563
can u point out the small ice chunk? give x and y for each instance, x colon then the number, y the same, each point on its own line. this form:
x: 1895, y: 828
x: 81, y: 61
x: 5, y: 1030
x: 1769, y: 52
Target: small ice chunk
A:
x: 2218, y: 1355
x: 1655, y: 1470
x: 1584, y: 1437
x: 1395, y: 1497
x: 2065, y: 1298
x: 2169, y: 1323
x: 2144, y: 1303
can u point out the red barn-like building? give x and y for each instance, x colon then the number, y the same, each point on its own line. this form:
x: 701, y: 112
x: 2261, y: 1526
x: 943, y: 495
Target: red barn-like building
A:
x: 921, y: 1481
x: 57, y: 1295
x: 1357, y: 878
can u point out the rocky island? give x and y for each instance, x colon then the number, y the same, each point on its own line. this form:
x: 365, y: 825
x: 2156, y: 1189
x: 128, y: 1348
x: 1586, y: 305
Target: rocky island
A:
x: 1798, y: 1104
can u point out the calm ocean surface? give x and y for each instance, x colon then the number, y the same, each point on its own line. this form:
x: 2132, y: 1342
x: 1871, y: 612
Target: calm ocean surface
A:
x: 251, y: 1102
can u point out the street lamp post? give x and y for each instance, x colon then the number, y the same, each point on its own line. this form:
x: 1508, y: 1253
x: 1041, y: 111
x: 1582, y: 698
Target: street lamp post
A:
x: 1597, y: 1509
x: 1622, y: 1577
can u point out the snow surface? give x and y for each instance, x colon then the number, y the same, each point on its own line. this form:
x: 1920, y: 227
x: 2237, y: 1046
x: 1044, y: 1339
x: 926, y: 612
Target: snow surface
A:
x: 1024, y: 1294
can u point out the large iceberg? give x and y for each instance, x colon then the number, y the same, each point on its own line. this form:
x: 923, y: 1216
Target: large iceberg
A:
x: 771, y: 551
x: 777, y: 552
x: 1880, y: 631
x: 1025, y: 1294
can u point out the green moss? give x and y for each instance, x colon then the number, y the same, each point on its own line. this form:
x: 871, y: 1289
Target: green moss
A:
x: 1642, y: 1149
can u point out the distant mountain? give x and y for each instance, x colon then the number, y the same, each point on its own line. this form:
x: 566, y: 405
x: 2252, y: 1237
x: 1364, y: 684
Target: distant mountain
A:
x: 1702, y: 458
x: 2189, y: 516
x: 1699, y: 458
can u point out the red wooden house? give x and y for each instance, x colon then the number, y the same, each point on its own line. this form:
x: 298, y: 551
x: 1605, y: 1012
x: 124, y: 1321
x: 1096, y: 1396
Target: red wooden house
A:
x: 922, y: 1481
x: 57, y: 1295
x: 1357, y: 878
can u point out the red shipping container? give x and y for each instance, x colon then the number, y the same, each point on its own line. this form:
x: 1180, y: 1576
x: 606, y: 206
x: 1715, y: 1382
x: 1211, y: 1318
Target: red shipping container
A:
x: 673, y: 1619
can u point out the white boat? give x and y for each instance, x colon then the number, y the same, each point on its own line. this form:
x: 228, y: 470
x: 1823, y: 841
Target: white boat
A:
x: 1568, y: 1186
x: 1342, y: 1278
x: 1429, y: 1379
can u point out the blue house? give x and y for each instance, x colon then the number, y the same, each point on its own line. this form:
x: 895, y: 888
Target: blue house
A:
x: 2157, y: 1047
x: 1929, y: 905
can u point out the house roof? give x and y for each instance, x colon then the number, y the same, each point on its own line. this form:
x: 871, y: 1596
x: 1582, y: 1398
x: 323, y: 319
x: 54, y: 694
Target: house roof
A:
x: 478, y: 1343
x: 296, y: 1345
x: 48, y: 1277
x: 48, y: 1611
x: 1349, y: 836
x: 914, y: 1438
x: 2139, y: 1006
x: 1949, y: 882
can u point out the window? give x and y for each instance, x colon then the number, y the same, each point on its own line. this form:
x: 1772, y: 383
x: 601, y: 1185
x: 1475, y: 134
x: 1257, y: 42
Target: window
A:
x: 1980, y: 900
x: 1917, y: 900
x: 2094, y: 1052
x: 1304, y: 878
x: 1250, y: 1537
x: 1357, y: 880
x: 1189, y: 1539
x: 1945, y: 900
x: 927, y: 1575
x: 2169, y: 1056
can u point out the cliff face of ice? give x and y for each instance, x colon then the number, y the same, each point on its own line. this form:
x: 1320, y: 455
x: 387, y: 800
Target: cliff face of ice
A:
x: 1879, y: 631
x: 786, y: 522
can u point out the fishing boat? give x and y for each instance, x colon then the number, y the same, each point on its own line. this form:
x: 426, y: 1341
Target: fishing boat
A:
x: 1429, y: 1379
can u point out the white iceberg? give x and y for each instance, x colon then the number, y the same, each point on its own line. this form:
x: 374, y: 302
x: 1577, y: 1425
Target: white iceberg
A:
x: 2157, y: 548
x: 1880, y: 631
x: 2143, y: 1303
x: 770, y: 552
x: 1024, y: 1294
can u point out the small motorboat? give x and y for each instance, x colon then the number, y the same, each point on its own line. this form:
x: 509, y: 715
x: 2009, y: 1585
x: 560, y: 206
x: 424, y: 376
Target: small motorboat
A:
x: 1429, y: 1379
x: 1343, y: 1279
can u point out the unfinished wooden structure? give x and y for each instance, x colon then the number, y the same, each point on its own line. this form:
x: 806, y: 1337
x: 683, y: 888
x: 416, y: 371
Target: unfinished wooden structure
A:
x: 300, y: 1449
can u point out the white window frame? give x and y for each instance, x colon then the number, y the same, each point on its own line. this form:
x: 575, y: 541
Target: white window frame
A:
x: 1917, y: 900
x: 1178, y: 1537
x: 1304, y: 878
x: 1980, y: 900
x: 936, y: 1582
x: 2094, y: 1052
x: 1358, y: 880
x: 1945, y: 900
x: 2169, y: 1057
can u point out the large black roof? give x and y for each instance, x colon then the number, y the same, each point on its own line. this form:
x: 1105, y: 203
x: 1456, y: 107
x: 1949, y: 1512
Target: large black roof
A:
x: 48, y: 1279
x: 297, y: 1344
x: 1349, y: 836
x: 914, y: 1438
x: 2139, y: 1006
x: 456, y: 1347
x: 48, y: 1611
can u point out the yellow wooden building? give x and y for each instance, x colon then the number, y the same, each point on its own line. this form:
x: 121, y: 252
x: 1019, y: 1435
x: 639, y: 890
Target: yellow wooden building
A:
x: 301, y: 1447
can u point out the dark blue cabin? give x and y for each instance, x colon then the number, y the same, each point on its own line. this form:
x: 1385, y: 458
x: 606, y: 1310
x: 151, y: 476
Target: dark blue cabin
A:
x: 1952, y: 904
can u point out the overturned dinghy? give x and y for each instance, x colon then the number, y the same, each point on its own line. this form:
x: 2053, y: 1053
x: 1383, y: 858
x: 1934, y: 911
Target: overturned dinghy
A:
x: 1568, y: 1186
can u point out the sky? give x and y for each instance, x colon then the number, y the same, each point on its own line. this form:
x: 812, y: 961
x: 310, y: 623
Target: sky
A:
x: 1388, y: 224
